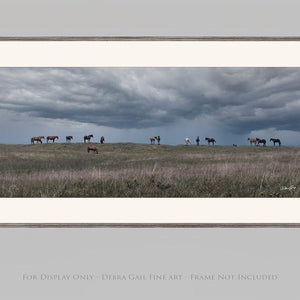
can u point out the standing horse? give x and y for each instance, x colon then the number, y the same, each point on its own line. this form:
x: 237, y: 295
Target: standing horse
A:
x: 261, y: 141
x: 252, y: 141
x: 87, y: 137
x: 158, y: 140
x: 275, y: 141
x: 38, y: 139
x: 69, y: 138
x: 152, y: 139
x: 188, y: 141
x: 102, y: 139
x: 92, y: 148
x: 52, y: 138
x: 210, y: 140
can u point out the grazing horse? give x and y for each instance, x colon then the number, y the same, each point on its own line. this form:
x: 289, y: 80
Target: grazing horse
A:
x: 197, y: 140
x: 261, y: 141
x: 37, y: 139
x: 87, y: 137
x: 152, y: 139
x: 252, y: 141
x: 52, y: 138
x: 188, y: 141
x: 275, y: 141
x: 102, y: 139
x: 92, y: 148
x: 69, y: 138
x: 210, y: 140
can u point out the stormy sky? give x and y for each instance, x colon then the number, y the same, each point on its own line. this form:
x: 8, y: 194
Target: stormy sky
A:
x: 132, y: 104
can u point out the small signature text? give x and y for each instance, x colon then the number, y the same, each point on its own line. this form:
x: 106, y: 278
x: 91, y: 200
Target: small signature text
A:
x: 290, y: 188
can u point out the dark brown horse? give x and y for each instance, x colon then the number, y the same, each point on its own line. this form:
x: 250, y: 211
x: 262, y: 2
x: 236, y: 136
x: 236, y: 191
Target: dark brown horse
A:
x: 69, y: 138
x: 102, y: 139
x: 210, y: 140
x: 87, y: 137
x: 275, y: 141
x: 261, y: 141
x: 92, y: 148
x: 52, y: 138
x: 38, y: 139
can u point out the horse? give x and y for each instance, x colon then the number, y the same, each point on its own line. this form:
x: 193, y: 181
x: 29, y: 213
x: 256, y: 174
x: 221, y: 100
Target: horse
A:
x: 252, y: 141
x: 158, y: 140
x: 87, y: 137
x: 69, y: 138
x: 153, y: 138
x: 188, y: 141
x: 234, y: 145
x: 102, y: 139
x: 275, y: 141
x: 210, y: 140
x: 197, y: 140
x: 261, y: 141
x: 52, y: 138
x: 92, y: 148
x: 37, y: 139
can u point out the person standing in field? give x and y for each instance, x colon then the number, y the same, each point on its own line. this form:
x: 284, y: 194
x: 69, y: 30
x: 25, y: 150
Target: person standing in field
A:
x: 197, y: 140
x: 158, y: 140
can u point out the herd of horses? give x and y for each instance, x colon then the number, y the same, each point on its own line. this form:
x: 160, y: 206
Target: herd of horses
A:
x: 255, y: 141
x: 209, y: 141
x: 69, y: 138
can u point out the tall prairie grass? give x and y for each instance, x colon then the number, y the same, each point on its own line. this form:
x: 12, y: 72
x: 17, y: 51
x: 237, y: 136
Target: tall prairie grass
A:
x: 139, y: 170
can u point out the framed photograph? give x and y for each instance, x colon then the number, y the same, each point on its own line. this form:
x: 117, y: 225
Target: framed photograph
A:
x: 149, y: 20
x: 132, y: 247
x: 148, y: 131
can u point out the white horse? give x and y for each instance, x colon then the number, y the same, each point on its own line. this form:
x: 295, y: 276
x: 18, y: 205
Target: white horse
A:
x: 188, y: 141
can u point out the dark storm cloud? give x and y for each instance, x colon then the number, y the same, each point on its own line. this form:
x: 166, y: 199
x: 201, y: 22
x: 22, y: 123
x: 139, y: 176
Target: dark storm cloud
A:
x: 239, y: 99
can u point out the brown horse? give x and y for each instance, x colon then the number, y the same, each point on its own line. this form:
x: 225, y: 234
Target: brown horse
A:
x: 38, y: 139
x: 234, y: 145
x: 92, y: 148
x: 252, y: 141
x: 52, y: 138
x: 102, y: 139
x: 152, y: 139
x: 69, y: 138
x: 87, y: 137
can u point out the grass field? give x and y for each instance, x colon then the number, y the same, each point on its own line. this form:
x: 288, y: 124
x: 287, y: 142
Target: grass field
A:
x: 140, y: 170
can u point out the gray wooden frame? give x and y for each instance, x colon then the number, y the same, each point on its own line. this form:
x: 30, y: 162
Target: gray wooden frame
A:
x: 150, y: 225
x: 150, y: 38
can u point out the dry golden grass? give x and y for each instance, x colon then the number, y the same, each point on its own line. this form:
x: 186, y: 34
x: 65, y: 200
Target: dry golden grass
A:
x: 139, y: 170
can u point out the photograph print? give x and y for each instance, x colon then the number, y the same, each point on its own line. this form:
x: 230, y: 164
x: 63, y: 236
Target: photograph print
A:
x: 150, y: 132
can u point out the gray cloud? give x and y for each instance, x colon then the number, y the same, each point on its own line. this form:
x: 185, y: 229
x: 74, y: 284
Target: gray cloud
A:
x: 240, y: 99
